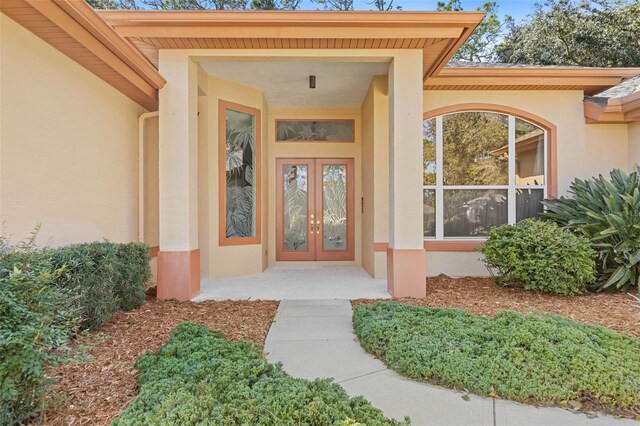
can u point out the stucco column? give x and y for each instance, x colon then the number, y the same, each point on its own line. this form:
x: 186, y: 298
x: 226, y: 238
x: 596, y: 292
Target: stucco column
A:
x: 405, y: 255
x: 179, y: 256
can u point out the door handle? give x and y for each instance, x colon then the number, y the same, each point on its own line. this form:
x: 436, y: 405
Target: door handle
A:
x: 311, y: 225
x: 318, y: 226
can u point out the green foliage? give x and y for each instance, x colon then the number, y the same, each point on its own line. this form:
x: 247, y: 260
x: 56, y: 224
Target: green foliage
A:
x: 480, y: 45
x: 106, y: 277
x: 607, y: 212
x: 540, y: 256
x: 35, y: 319
x: 589, y: 33
x: 542, y: 358
x: 46, y: 297
x: 199, y: 377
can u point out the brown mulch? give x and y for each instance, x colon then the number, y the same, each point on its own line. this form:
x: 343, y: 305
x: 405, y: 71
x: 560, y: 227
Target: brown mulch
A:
x: 481, y: 296
x: 98, y: 390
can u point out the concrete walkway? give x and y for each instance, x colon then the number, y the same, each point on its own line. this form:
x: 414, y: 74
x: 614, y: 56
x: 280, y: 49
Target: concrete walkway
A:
x: 315, y: 338
x: 306, y: 282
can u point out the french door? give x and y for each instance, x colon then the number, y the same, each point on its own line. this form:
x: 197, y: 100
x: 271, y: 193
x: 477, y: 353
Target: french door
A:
x: 314, y: 209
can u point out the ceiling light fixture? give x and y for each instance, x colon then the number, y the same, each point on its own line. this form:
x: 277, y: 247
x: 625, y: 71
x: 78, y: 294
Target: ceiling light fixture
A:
x: 312, y: 82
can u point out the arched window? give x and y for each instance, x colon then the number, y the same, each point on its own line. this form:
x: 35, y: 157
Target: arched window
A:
x: 481, y: 169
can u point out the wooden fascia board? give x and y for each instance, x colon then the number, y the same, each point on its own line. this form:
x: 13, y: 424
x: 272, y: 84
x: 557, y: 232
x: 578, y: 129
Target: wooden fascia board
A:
x: 90, y: 20
x: 587, y: 83
x: 297, y: 32
x: 491, y: 72
x: 448, y: 52
x: 68, y: 24
x: 291, y: 18
x: 617, y: 110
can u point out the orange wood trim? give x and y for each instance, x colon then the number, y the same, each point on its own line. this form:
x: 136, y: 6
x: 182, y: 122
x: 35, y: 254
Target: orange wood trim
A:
x: 222, y: 175
x: 380, y: 247
x: 617, y: 110
x: 94, y: 46
x: 281, y: 254
x: 82, y: 12
x: 153, y: 251
x: 245, y: 31
x: 552, y: 133
x: 353, y: 121
x: 571, y: 72
x: 178, y: 274
x: 349, y: 253
x: 458, y: 246
x: 289, y: 18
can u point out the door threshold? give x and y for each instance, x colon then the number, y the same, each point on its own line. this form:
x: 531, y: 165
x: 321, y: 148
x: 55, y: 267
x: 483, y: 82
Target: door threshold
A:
x: 302, y: 264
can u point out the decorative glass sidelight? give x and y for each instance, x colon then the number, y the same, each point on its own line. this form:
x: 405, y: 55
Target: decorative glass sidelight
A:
x: 315, y: 130
x: 334, y: 207
x: 240, y: 174
x: 295, y: 213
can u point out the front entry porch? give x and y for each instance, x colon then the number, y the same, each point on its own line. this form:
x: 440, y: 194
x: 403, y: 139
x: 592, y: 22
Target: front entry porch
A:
x: 294, y: 282
x: 257, y: 168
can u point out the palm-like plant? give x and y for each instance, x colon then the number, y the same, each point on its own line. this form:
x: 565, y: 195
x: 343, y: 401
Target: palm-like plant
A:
x: 608, y: 213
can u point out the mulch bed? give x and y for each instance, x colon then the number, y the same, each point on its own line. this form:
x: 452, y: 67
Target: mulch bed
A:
x: 481, y: 296
x: 98, y: 390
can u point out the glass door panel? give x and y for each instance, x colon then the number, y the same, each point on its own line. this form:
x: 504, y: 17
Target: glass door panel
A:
x: 296, y: 200
x: 314, y: 209
x: 334, y: 202
x: 334, y: 207
x: 295, y: 216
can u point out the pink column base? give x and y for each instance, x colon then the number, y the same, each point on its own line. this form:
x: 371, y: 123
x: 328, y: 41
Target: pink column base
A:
x: 178, y: 274
x: 406, y: 276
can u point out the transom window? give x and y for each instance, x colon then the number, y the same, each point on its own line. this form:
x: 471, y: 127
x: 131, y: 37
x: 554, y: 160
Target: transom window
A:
x: 481, y: 170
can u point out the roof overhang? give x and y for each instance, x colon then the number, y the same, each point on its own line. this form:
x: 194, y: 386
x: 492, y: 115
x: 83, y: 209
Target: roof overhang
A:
x: 438, y: 34
x: 616, y: 110
x: 76, y: 30
x: 589, y: 80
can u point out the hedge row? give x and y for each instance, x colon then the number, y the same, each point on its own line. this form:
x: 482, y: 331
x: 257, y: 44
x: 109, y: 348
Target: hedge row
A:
x: 105, y: 277
x: 199, y: 378
x: 49, y: 295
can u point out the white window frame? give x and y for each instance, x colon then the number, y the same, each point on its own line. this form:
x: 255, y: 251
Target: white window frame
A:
x: 511, y: 187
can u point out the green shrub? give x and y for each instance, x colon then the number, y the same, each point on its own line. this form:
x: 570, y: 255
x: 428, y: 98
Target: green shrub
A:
x: 540, y: 358
x: 608, y: 214
x: 133, y: 274
x: 107, y: 277
x: 35, y: 319
x: 46, y: 297
x: 540, y: 256
x: 198, y: 377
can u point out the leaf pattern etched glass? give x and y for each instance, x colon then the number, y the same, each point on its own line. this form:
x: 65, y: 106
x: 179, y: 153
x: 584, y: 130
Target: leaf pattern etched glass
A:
x: 315, y: 131
x: 295, y: 208
x: 334, y: 207
x: 240, y: 174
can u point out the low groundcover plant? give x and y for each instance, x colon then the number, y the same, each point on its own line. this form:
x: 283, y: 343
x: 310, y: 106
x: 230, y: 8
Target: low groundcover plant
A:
x: 541, y: 358
x: 199, y: 377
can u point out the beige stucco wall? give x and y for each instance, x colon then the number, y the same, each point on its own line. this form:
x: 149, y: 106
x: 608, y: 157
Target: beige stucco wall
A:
x: 68, y: 146
x: 634, y: 144
x: 223, y: 261
x: 375, y: 176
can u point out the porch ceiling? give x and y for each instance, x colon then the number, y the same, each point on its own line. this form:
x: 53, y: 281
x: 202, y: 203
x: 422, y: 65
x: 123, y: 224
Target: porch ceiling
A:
x: 438, y: 34
x: 285, y: 84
